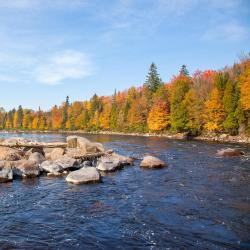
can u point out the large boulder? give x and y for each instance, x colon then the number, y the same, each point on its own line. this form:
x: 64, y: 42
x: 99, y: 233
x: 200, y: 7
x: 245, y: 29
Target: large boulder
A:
x: 229, y: 152
x: 57, y: 153
x: 152, y: 162
x: 108, y: 163
x: 37, y: 157
x: 85, y: 146
x: 6, y: 173
x: 25, y: 168
x: 84, y: 175
x: 51, y: 167
x: 10, y: 154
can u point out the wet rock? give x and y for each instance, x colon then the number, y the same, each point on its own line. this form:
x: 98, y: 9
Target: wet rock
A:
x: 229, y: 152
x: 56, y: 153
x: 6, y: 173
x: 51, y: 167
x: 124, y: 160
x: 25, y: 168
x: 84, y: 175
x: 152, y: 162
x: 37, y: 157
x: 108, y: 163
x: 10, y: 154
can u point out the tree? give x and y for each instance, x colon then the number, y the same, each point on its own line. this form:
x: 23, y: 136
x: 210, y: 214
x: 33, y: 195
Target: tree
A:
x: 179, y: 113
x: 184, y: 71
x: 214, y: 114
x: 153, y: 81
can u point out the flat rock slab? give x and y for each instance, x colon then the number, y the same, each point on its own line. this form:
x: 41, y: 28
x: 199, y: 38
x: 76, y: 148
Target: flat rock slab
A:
x: 84, y: 175
x: 152, y: 162
x: 229, y: 152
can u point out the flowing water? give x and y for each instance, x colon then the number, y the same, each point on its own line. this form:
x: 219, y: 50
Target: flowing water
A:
x: 199, y: 202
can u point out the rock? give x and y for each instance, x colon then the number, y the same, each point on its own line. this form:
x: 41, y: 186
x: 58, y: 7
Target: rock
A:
x: 109, y: 151
x: 15, y: 141
x: 108, y: 163
x: 57, y: 153
x: 72, y: 141
x: 6, y: 173
x: 10, y: 154
x: 84, y: 145
x: 229, y: 152
x: 25, y: 168
x: 37, y: 157
x: 51, y: 167
x: 67, y: 163
x: 87, y: 164
x: 34, y: 150
x: 124, y: 160
x: 152, y: 162
x: 84, y: 175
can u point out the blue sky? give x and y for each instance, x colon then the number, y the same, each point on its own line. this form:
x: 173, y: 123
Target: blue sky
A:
x: 53, y: 48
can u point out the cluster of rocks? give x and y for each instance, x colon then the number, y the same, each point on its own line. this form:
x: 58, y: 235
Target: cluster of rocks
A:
x: 81, y: 160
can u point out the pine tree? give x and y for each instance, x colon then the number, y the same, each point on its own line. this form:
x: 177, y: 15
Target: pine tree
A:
x: 184, y: 71
x: 153, y: 81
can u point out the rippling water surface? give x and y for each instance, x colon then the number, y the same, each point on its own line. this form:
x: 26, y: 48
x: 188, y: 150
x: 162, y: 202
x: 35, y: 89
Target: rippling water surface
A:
x: 199, y: 202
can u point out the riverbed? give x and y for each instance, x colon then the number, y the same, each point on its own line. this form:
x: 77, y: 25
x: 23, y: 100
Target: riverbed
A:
x: 200, y: 201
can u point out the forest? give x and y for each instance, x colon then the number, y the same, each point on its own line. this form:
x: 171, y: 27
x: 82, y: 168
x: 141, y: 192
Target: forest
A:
x: 207, y: 101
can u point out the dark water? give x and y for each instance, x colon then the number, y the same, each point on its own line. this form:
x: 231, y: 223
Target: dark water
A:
x: 198, y: 202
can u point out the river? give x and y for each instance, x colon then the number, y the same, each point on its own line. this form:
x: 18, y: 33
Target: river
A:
x: 199, y: 202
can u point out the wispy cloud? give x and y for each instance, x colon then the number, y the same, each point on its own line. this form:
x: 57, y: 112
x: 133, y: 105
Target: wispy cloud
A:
x: 229, y: 32
x: 48, y: 70
x: 28, y: 4
x: 65, y: 65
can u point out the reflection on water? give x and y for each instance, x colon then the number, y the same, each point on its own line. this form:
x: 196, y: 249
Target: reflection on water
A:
x: 199, y: 202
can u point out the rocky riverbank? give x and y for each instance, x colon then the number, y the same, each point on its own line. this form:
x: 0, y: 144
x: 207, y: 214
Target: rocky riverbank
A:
x: 79, y: 159
x: 245, y: 139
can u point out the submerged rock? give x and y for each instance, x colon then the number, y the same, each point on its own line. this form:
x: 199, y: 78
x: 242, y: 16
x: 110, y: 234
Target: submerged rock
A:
x: 84, y: 175
x: 152, y: 162
x: 6, y: 173
x: 229, y: 152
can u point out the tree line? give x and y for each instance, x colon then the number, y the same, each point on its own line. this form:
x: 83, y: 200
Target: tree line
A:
x: 207, y: 101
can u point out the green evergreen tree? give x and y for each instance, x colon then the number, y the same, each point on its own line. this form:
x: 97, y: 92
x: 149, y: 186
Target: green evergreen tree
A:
x: 184, y: 71
x: 153, y: 81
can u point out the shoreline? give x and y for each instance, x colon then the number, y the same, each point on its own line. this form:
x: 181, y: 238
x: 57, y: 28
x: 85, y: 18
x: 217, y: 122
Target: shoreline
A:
x: 178, y: 136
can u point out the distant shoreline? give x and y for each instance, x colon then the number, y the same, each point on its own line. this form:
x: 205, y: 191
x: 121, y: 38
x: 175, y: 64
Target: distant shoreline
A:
x: 178, y: 136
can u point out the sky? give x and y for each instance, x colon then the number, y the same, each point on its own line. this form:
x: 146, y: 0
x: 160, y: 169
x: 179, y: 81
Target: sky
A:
x: 53, y: 48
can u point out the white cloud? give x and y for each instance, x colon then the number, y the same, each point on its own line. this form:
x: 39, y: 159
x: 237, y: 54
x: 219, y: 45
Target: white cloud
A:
x: 65, y: 65
x: 231, y: 32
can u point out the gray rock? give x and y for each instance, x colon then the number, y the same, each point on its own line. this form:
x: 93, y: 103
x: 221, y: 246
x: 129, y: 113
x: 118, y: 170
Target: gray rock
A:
x: 6, y: 173
x: 108, y: 163
x: 37, y: 157
x: 124, y: 160
x: 25, y: 168
x: 84, y: 175
x: 229, y: 152
x: 67, y: 163
x: 72, y: 141
x: 152, y: 162
x: 51, y: 167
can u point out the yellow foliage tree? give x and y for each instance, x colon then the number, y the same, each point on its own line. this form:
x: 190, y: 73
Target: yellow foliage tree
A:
x: 159, y: 117
x: 244, y: 83
x: 214, y: 114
